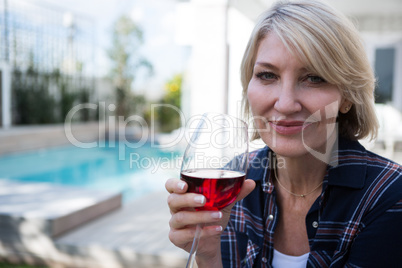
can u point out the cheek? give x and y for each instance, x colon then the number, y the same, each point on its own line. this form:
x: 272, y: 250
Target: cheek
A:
x: 257, y: 98
x: 251, y: 92
x: 328, y: 105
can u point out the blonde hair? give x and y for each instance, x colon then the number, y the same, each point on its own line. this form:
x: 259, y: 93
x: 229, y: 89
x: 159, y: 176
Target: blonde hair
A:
x: 330, y: 45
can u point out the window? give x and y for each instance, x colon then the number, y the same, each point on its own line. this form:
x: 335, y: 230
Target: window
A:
x: 384, y: 70
x: 1, y: 98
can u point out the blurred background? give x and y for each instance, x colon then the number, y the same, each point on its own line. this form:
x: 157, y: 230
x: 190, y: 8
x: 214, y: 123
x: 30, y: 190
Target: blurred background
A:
x: 106, y: 74
x: 131, y: 53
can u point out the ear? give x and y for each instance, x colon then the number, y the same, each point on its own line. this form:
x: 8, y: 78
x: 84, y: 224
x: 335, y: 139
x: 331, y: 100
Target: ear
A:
x: 345, y: 106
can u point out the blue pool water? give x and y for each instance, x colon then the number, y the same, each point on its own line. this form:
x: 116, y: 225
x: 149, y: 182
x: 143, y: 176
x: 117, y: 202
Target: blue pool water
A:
x: 142, y: 170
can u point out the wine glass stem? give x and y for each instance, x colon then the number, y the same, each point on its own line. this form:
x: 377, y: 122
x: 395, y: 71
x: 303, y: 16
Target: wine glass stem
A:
x: 194, y: 247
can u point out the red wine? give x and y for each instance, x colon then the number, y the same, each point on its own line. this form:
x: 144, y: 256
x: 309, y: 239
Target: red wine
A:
x: 220, y: 187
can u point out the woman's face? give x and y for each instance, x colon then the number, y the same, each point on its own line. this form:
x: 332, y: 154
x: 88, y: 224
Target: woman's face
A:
x: 294, y: 110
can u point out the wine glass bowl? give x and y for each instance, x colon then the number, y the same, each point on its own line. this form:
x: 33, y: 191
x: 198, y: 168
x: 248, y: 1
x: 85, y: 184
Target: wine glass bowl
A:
x: 220, y: 187
x: 215, y: 163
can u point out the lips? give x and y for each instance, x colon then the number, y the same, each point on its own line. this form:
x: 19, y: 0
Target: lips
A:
x: 287, y: 127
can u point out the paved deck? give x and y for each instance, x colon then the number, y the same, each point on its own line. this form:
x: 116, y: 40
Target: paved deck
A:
x: 71, y: 227
x: 134, y: 236
x: 58, y: 208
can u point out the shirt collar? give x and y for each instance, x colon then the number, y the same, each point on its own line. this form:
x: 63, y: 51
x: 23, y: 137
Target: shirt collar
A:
x: 260, y: 168
x: 259, y: 163
x: 347, y: 169
x: 351, y: 165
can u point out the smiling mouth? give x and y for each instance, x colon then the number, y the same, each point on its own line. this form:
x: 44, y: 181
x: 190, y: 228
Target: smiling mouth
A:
x: 289, y: 127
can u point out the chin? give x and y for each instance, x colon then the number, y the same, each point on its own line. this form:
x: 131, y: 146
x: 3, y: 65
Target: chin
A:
x: 286, y: 147
x: 297, y: 147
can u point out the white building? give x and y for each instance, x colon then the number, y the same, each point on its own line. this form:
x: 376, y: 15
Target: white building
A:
x: 217, y: 31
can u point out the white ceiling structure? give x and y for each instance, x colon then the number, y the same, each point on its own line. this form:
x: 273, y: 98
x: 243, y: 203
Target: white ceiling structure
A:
x: 218, y: 31
x: 372, y: 15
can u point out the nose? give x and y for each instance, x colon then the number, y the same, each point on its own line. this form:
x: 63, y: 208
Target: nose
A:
x: 287, y: 100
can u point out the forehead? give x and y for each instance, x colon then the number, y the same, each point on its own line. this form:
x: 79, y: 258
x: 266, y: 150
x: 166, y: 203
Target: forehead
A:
x: 273, y: 50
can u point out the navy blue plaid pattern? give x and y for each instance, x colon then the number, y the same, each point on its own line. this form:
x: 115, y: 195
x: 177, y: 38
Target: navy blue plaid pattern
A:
x: 355, y: 222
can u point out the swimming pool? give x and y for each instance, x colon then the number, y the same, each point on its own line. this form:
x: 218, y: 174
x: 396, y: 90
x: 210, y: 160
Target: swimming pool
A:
x: 143, y: 170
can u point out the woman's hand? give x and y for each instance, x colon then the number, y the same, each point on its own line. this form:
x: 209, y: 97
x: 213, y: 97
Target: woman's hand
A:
x: 185, y: 219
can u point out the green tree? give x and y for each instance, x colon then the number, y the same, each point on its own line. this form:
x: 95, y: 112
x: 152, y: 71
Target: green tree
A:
x: 127, y: 38
x: 168, y: 117
x: 33, y: 104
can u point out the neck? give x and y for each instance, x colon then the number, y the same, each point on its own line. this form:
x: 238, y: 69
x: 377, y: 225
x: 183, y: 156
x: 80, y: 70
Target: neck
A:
x: 300, y: 175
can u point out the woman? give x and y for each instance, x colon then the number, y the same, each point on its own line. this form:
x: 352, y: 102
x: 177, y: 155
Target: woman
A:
x: 314, y: 196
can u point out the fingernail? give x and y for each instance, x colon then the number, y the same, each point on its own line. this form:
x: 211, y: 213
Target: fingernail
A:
x: 181, y: 185
x: 219, y: 228
x: 199, y: 199
x: 216, y: 215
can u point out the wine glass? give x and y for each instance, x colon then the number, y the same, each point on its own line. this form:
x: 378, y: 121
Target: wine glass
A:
x: 215, y: 164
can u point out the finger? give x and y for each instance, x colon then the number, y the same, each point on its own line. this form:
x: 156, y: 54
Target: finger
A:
x: 184, y: 237
x: 184, y: 219
x: 175, y: 186
x: 178, y: 202
x: 211, y: 230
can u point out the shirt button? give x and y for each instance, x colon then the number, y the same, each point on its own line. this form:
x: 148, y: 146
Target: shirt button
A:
x: 270, y: 217
x: 264, y: 260
x: 315, y: 224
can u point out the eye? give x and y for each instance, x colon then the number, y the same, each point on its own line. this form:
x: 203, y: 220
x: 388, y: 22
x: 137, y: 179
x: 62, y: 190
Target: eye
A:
x: 315, y: 79
x: 266, y: 75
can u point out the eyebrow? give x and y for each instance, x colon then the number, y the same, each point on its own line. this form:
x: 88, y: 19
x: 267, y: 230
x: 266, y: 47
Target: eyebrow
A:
x: 273, y: 67
x: 266, y: 65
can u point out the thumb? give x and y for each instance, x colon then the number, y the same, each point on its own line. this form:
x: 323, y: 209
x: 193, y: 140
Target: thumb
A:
x: 247, y: 187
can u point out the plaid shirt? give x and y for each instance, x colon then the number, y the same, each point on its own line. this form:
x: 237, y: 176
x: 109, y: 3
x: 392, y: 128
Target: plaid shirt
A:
x: 355, y: 222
